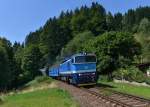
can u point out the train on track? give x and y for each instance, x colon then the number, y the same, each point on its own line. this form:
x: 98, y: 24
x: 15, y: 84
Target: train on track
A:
x: 79, y: 70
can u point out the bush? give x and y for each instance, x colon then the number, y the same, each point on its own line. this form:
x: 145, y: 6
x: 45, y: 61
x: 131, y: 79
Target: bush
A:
x: 136, y: 75
x: 130, y: 74
x: 147, y: 80
x: 104, y: 78
x: 113, y: 50
x: 117, y: 75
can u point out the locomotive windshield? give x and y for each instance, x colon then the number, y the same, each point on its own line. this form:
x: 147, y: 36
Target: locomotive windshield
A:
x: 84, y: 59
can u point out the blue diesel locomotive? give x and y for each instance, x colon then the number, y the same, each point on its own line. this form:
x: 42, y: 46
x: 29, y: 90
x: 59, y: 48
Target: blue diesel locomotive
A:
x: 79, y: 69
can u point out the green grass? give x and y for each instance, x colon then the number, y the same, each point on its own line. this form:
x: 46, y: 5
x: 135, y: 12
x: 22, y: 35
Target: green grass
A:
x: 38, y: 81
x: 43, y: 98
x: 129, y: 89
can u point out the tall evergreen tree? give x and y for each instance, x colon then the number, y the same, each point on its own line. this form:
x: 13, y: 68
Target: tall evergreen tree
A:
x: 5, y: 74
x: 118, y: 21
x: 129, y: 20
x: 31, y: 62
x: 110, y: 22
x: 98, y: 19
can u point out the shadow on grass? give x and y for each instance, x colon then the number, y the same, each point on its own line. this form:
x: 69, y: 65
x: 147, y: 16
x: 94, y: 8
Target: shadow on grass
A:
x: 1, y: 101
x: 101, y: 85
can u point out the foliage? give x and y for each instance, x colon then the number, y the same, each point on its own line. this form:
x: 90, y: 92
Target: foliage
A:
x: 110, y: 22
x: 130, y: 74
x: 57, y: 32
x: 4, y: 68
x: 82, y: 20
x: 147, y: 80
x: 118, y: 21
x: 76, y: 44
x: 104, y: 78
x: 18, y: 50
x: 74, y: 31
x: 133, y: 17
x: 7, y: 64
x: 121, y: 74
x: 143, y: 37
x: 144, y: 26
x: 31, y: 62
x: 109, y: 47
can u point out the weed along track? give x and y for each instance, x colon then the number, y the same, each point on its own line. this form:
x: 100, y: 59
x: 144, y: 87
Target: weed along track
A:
x: 120, y: 99
x: 100, y: 97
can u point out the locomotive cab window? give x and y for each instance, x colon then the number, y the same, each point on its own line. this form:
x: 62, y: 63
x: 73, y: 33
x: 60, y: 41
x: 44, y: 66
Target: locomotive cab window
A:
x: 72, y: 61
x: 84, y: 59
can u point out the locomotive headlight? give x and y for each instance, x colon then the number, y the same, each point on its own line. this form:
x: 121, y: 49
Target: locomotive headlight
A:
x: 80, y: 74
x: 93, y: 73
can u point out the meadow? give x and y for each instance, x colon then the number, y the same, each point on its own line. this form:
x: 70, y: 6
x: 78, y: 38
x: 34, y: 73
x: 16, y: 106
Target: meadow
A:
x: 41, y: 98
x: 141, y: 91
x: 40, y: 92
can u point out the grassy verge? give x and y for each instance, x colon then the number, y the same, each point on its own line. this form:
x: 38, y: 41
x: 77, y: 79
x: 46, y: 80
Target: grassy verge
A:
x: 128, y: 88
x: 42, y: 98
x: 38, y: 81
x: 40, y: 92
x: 41, y: 82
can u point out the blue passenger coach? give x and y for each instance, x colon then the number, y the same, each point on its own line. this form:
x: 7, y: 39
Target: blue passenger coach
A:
x: 79, y: 69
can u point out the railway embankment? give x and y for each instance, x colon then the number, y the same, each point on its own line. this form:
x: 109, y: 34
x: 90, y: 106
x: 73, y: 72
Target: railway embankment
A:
x: 35, y: 92
x: 41, y: 92
x: 137, y: 90
x: 103, y: 97
x: 123, y: 98
x: 84, y: 98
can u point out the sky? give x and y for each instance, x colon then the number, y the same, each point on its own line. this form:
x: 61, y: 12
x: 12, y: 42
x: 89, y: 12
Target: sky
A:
x: 20, y: 17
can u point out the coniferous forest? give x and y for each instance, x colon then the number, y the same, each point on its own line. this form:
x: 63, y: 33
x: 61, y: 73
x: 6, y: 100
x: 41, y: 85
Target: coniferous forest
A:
x: 120, y: 42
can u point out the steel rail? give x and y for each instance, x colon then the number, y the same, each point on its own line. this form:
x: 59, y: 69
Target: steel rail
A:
x: 113, y: 101
x: 141, y: 99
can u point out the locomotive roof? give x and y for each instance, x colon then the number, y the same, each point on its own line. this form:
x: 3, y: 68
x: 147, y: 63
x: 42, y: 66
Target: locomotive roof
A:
x: 68, y: 58
x: 78, y: 54
x: 83, y: 54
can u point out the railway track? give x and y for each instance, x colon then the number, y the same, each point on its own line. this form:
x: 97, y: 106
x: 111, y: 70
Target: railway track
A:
x: 104, y: 97
x: 118, y: 99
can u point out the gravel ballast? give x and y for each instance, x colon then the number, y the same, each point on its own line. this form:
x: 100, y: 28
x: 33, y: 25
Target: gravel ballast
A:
x: 84, y: 98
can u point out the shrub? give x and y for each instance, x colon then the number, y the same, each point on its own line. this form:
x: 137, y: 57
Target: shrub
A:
x: 104, y: 78
x: 136, y: 75
x: 117, y: 74
x: 113, y: 50
x: 147, y: 80
x: 130, y: 74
